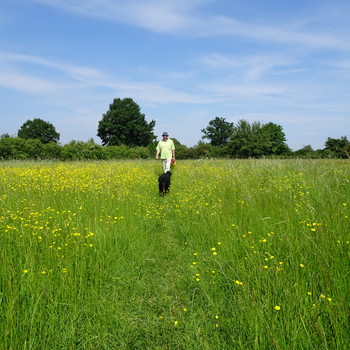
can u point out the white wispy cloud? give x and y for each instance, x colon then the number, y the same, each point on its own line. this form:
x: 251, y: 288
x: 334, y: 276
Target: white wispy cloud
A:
x: 14, y: 80
x: 155, y: 15
x: 76, y: 72
x: 249, y: 67
x: 242, y: 79
x: 186, y: 18
x: 243, y: 92
x: 77, y: 79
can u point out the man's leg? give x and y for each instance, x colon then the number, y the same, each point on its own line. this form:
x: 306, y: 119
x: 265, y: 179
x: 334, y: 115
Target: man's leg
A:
x: 164, y: 165
x: 167, y: 165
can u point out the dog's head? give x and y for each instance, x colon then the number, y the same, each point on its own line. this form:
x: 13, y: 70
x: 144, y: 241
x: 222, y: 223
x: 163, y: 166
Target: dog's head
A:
x: 164, y: 176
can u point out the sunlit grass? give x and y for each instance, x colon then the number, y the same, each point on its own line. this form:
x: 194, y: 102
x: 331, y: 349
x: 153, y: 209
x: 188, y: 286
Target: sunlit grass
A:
x: 247, y: 254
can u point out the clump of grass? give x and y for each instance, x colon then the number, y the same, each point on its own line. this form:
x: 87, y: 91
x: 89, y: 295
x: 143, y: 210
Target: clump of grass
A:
x: 240, y: 255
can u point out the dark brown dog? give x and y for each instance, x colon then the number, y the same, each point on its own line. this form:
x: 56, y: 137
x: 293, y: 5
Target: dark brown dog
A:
x: 164, y: 183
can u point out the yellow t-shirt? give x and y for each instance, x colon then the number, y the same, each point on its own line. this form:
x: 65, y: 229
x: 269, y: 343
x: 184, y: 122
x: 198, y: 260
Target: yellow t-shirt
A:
x: 166, y: 148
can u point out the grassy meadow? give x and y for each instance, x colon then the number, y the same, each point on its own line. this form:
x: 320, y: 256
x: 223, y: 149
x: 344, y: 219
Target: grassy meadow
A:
x: 242, y: 254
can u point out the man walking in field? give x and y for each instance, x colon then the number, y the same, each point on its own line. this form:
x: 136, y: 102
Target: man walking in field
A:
x: 166, y: 149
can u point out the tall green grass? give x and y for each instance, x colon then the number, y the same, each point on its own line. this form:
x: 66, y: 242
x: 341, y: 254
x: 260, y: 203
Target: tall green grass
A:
x: 247, y: 254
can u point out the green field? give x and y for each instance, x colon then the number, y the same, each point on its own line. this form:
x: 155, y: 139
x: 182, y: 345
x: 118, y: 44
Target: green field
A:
x: 242, y: 254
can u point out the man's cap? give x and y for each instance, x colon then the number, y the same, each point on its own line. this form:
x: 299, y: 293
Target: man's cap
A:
x: 165, y: 134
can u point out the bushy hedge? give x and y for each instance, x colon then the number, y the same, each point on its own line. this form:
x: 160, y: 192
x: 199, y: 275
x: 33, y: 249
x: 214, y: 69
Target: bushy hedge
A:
x: 18, y: 148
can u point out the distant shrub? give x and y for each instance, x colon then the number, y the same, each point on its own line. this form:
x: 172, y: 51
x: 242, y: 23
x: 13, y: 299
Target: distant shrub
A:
x: 52, y: 151
x: 14, y: 148
x: 140, y: 152
x: 117, y: 152
x: 79, y: 150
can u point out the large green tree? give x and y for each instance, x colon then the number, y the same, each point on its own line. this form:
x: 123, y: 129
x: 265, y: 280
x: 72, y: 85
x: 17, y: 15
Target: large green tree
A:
x: 244, y: 139
x: 275, y: 139
x: 257, y: 140
x: 40, y: 130
x: 124, y: 124
x: 337, y: 147
x: 218, y: 132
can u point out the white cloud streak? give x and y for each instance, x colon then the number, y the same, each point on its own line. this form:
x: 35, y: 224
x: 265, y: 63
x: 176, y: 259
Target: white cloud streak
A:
x: 155, y: 15
x: 183, y: 17
x: 249, y: 67
x: 24, y: 83
x: 79, y: 73
x: 78, y: 79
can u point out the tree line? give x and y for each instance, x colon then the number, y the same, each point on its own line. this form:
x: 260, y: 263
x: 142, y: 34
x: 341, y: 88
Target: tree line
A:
x: 125, y: 134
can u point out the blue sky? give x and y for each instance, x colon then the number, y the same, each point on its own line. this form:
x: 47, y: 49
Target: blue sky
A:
x: 184, y: 62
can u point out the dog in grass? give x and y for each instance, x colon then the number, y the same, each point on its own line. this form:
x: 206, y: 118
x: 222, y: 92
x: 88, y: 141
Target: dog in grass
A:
x: 164, y: 183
